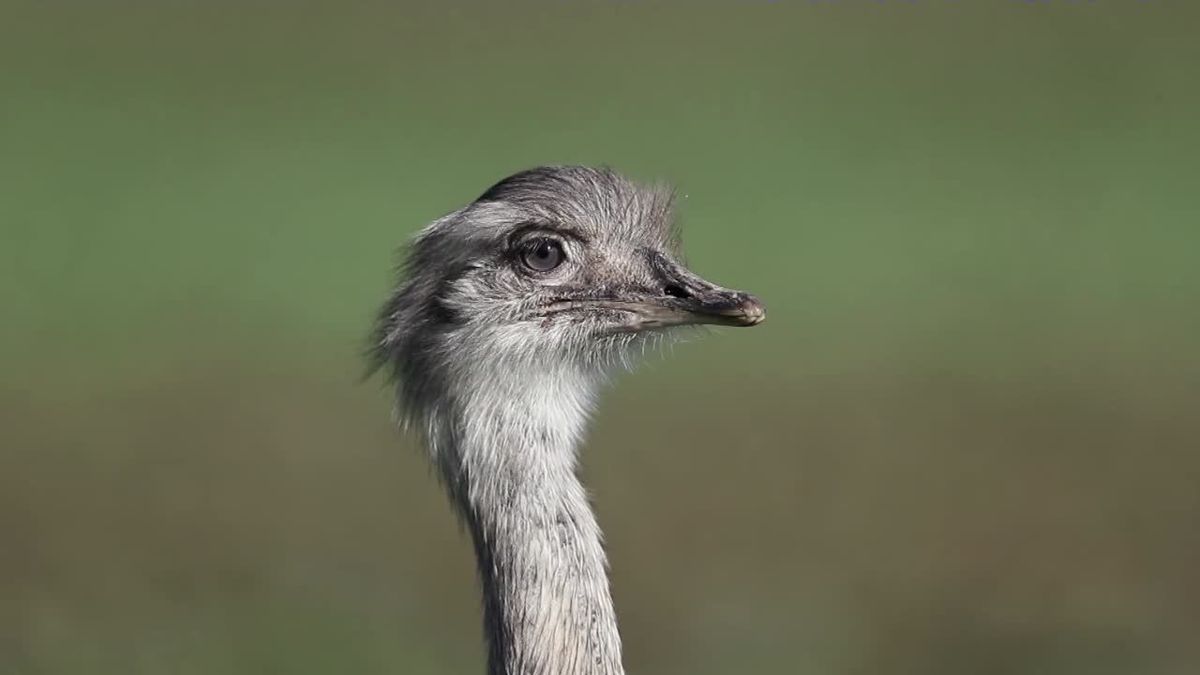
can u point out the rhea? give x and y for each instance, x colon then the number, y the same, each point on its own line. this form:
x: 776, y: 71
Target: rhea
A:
x: 510, y: 314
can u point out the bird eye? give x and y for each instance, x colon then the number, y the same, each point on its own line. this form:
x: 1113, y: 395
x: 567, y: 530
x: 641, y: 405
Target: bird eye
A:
x: 542, y: 255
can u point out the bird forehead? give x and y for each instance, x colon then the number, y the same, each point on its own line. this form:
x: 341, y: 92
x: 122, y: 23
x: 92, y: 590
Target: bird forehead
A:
x: 592, y: 204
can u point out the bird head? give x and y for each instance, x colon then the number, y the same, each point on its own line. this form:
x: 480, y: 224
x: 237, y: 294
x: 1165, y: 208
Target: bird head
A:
x: 568, y: 264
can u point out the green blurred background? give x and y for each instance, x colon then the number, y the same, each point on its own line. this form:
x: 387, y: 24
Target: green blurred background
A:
x: 965, y: 441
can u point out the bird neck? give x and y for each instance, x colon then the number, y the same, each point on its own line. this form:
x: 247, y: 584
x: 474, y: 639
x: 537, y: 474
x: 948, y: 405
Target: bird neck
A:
x: 509, y: 458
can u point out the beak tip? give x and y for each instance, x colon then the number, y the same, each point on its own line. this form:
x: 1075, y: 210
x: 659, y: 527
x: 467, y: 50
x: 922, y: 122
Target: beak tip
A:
x: 752, y: 311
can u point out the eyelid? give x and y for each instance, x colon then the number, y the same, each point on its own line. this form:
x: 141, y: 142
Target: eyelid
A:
x: 529, y: 231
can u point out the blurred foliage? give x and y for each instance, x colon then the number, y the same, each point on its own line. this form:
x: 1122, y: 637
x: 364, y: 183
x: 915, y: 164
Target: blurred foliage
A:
x: 964, y: 441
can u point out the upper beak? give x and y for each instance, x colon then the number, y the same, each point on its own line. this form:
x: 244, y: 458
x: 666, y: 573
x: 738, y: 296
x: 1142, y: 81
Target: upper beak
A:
x: 680, y: 298
x: 736, y: 309
x: 686, y: 298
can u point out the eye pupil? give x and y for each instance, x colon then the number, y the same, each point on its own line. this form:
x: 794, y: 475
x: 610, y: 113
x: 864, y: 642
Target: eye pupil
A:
x: 543, y: 255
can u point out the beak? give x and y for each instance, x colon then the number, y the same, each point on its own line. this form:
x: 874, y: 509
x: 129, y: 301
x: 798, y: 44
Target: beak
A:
x: 680, y: 299
x: 685, y: 298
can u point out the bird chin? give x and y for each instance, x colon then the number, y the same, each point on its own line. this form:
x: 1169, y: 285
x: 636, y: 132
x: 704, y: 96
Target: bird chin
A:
x: 613, y: 318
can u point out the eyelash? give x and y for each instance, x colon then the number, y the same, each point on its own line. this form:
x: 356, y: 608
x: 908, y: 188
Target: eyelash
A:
x: 525, y: 237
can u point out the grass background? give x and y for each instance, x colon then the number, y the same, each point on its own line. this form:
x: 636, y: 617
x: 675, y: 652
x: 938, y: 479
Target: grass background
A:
x: 965, y: 440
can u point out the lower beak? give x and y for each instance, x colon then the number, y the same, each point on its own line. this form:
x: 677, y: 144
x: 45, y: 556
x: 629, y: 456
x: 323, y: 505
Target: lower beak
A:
x: 731, y: 308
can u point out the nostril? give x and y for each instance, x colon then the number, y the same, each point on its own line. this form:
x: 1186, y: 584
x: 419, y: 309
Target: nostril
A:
x: 676, y: 291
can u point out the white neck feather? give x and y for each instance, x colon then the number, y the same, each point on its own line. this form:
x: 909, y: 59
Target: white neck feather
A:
x: 506, y: 445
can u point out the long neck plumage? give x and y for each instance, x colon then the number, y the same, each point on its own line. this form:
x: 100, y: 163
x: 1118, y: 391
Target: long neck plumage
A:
x: 506, y: 445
